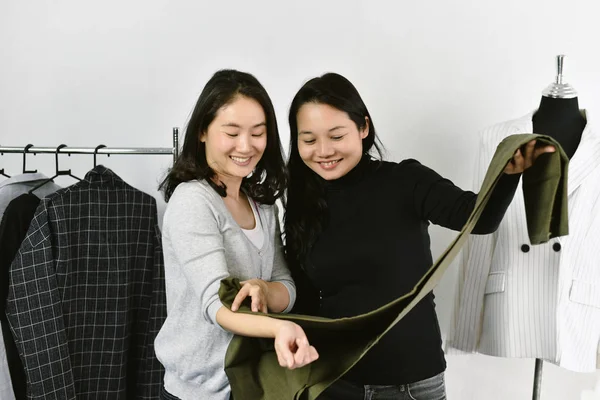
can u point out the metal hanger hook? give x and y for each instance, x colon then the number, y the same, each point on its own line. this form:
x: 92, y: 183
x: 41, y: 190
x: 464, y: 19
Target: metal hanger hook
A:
x: 100, y: 146
x: 58, y: 172
x: 25, y: 151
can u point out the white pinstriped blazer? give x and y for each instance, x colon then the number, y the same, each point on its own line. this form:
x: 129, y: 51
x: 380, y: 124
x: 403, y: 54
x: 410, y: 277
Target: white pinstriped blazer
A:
x: 543, y: 301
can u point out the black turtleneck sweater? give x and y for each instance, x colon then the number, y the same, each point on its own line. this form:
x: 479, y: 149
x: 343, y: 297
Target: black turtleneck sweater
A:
x: 376, y: 247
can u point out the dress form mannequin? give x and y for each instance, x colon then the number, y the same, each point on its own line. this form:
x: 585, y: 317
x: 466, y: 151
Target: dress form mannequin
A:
x: 559, y: 117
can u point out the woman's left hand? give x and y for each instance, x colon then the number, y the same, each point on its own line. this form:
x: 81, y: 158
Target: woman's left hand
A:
x: 520, y: 162
x: 258, y: 290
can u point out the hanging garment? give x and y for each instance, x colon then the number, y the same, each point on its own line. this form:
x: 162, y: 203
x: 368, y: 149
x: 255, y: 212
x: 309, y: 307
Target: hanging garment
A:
x: 251, y: 364
x: 6, y: 388
x: 13, y: 228
x: 10, y: 189
x: 518, y: 300
x: 87, y: 293
x: 17, y: 185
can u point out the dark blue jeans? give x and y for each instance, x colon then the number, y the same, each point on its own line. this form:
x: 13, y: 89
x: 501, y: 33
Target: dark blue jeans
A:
x: 433, y: 388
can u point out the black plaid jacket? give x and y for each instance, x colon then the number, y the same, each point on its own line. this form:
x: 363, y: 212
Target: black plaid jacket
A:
x: 87, y: 293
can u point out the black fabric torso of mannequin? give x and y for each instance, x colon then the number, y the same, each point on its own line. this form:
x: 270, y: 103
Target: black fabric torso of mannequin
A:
x: 562, y: 120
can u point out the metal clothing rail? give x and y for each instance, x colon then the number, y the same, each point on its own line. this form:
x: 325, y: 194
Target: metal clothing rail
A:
x: 101, y: 149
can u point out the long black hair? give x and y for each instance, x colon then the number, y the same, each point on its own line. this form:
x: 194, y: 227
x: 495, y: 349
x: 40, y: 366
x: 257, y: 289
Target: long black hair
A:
x: 268, y: 180
x: 306, y: 211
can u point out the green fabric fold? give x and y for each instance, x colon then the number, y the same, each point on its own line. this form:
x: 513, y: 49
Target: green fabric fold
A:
x: 251, y: 364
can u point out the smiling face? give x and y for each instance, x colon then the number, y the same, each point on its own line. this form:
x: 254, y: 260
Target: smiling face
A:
x: 236, y: 139
x: 329, y: 142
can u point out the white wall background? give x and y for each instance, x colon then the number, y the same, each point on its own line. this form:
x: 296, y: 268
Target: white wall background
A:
x: 433, y: 73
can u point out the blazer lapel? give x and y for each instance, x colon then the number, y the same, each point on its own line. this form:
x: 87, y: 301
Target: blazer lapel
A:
x: 587, y: 157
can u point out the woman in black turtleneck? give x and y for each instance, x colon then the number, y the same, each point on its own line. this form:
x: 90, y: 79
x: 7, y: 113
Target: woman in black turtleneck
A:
x: 356, y: 235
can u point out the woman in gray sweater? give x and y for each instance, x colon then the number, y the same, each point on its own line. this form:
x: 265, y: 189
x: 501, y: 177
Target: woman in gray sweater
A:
x: 221, y: 221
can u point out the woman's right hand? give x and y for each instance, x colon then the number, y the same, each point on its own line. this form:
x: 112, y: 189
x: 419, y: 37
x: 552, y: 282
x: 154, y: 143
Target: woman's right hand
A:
x: 292, y: 347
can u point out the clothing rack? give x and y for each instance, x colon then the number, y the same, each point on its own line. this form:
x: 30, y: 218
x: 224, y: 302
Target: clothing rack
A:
x: 100, y: 149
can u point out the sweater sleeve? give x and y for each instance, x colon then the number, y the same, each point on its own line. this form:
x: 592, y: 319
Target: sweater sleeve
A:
x: 438, y: 200
x: 281, y: 273
x: 191, y: 221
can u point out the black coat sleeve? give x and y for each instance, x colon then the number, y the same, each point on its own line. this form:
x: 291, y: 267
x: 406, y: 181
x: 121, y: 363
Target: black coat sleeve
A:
x: 438, y: 200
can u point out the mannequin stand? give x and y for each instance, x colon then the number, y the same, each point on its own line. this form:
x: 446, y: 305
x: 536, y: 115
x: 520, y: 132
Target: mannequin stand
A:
x: 537, y: 379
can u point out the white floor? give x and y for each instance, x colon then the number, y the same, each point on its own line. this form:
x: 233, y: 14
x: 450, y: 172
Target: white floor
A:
x: 479, y: 377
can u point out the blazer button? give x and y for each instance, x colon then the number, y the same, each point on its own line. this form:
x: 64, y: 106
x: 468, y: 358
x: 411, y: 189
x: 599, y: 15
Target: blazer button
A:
x: 525, y: 248
x: 556, y: 247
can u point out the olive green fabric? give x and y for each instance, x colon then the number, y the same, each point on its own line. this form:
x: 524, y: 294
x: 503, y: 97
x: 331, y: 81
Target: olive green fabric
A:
x: 251, y: 364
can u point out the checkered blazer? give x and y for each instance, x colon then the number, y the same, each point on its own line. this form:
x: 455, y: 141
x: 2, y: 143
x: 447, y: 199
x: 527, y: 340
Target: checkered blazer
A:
x: 87, y: 293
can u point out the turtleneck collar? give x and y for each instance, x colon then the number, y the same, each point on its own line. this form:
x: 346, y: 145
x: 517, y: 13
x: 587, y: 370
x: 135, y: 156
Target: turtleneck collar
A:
x: 353, y: 176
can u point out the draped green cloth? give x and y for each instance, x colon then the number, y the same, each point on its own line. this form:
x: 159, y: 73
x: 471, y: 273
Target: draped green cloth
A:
x: 251, y: 364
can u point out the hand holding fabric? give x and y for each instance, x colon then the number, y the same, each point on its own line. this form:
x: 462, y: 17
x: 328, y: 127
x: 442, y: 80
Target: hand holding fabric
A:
x: 258, y: 291
x: 525, y: 156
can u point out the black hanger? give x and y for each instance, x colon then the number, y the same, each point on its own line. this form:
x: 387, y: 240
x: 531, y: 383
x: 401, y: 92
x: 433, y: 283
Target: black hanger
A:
x: 96, y: 152
x: 58, y: 172
x: 2, y: 169
x: 25, y: 151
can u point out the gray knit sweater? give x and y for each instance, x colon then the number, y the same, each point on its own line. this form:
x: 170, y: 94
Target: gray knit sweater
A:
x: 203, y: 244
